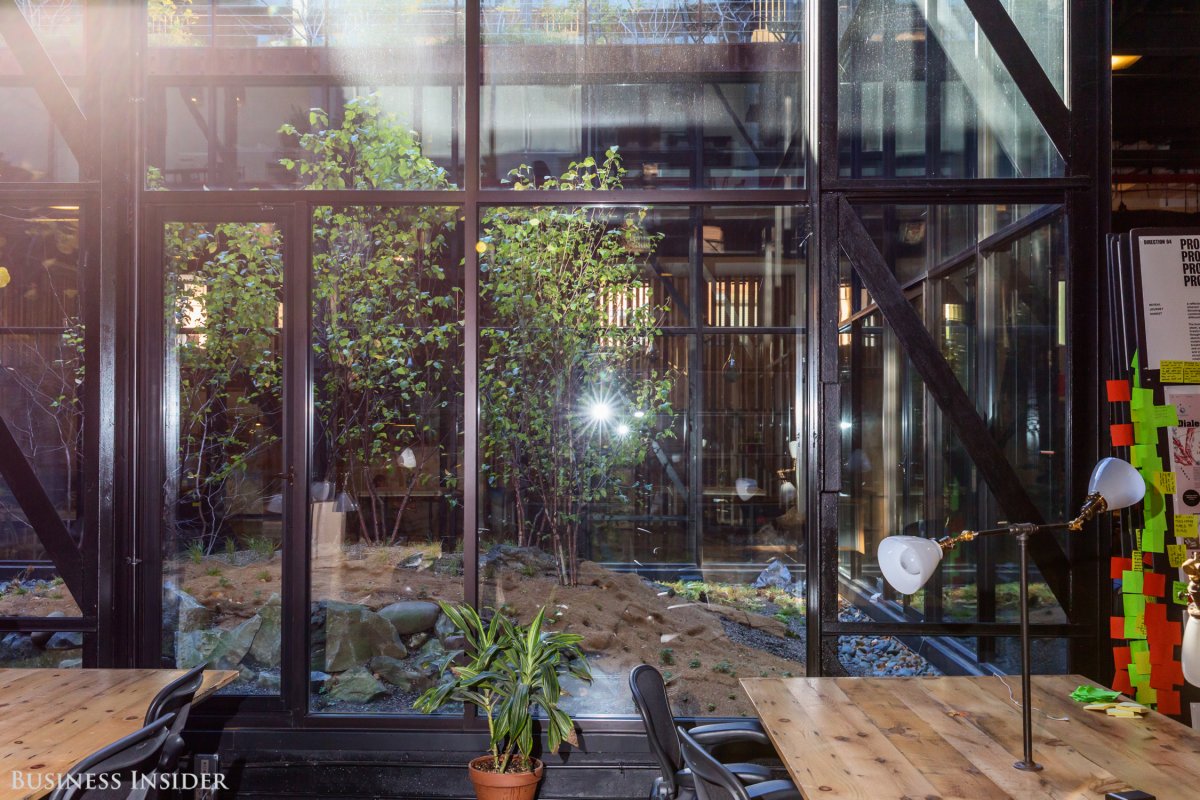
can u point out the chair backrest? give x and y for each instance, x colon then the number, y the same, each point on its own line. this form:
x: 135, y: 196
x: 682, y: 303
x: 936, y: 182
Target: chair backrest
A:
x: 712, y: 779
x: 175, y: 698
x: 96, y: 776
x: 650, y: 697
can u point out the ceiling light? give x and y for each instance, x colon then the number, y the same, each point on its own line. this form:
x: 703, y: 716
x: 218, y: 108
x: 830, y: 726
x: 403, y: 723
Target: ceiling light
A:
x: 1124, y: 62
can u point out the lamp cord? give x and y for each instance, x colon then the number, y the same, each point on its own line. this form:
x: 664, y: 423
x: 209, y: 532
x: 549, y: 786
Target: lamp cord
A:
x: 1012, y: 698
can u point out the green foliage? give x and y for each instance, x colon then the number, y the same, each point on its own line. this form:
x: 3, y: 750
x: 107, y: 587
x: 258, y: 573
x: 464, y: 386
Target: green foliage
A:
x: 724, y: 667
x: 262, y: 546
x: 508, y: 671
x: 195, y: 551
x: 568, y: 330
x: 694, y: 663
x: 230, y: 549
x: 213, y: 572
x: 666, y: 656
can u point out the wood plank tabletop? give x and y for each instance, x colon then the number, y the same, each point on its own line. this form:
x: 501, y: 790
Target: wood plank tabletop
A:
x: 951, y: 737
x: 51, y: 718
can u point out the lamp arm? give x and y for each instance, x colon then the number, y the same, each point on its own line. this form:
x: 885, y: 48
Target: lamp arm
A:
x: 1094, y: 505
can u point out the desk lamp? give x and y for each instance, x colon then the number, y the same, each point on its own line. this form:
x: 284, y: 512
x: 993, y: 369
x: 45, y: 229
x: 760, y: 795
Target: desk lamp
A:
x: 907, y: 562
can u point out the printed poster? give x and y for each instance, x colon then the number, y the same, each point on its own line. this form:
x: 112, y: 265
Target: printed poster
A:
x: 1184, y: 444
x: 1170, y: 283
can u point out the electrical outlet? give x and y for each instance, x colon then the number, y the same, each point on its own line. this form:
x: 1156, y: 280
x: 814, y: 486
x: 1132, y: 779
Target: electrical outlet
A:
x: 208, y: 767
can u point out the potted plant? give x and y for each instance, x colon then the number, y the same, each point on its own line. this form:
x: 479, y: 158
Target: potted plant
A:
x: 508, y: 670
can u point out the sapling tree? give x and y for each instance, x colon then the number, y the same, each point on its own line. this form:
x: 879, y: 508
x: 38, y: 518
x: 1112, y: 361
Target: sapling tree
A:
x: 569, y: 400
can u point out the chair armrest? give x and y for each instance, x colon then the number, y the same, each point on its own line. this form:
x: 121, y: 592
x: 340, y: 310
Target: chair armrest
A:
x: 750, y: 774
x: 720, y: 733
x: 774, y: 790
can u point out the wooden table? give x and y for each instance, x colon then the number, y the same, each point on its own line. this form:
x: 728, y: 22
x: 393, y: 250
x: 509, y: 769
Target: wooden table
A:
x: 890, y: 738
x: 51, y: 718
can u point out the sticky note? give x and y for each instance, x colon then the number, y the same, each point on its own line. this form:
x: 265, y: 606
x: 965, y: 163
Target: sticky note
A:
x: 1117, y: 565
x: 1152, y: 541
x: 1179, y: 592
x: 1131, y: 582
x: 1134, y: 604
x: 1118, y: 391
x: 1165, y: 482
x: 1138, y: 562
x: 1139, y: 675
x: 1191, y: 372
x: 1122, y: 435
x: 1144, y: 433
x: 1121, y: 682
x: 1156, y: 521
x: 1165, y: 416
x: 1139, y: 454
x: 1177, y: 553
x: 1154, y: 584
x: 1168, y: 703
x: 1138, y: 647
x: 1116, y: 627
x: 1170, y: 371
x: 1146, y: 696
x: 1185, y: 526
x: 1141, y: 398
x: 1121, y: 657
x: 1161, y: 653
x: 1135, y: 626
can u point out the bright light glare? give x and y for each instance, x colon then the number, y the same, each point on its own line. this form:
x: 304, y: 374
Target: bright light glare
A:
x: 639, y: 414
x: 844, y: 425
x: 622, y: 430
x: 600, y: 411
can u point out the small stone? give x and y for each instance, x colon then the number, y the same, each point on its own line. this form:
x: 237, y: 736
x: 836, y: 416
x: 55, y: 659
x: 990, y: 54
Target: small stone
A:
x: 411, y: 616
x: 70, y: 663
x: 354, y: 686
x: 65, y: 640
x: 397, y: 674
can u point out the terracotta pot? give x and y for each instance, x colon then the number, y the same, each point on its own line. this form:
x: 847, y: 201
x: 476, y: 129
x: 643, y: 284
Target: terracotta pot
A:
x: 504, y: 786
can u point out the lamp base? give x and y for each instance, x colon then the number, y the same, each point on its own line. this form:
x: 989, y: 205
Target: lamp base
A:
x: 1028, y: 766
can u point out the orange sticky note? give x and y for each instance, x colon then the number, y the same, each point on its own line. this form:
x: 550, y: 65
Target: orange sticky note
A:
x: 1161, y: 653
x: 1121, y: 657
x: 1116, y: 627
x: 1122, y: 435
x: 1161, y: 679
x: 1154, y: 584
x: 1121, y: 682
x: 1118, y: 391
x: 1117, y: 565
x: 1168, y: 702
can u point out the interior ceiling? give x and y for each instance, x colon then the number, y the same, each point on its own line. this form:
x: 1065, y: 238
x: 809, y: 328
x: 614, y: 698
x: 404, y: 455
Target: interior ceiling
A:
x: 1156, y: 116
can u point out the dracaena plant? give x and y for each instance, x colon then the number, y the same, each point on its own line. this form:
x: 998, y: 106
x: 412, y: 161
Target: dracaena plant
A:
x: 509, y: 671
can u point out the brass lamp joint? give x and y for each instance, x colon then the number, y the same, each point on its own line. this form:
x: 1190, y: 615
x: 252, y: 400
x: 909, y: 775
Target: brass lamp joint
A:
x: 1095, y: 504
x: 950, y: 543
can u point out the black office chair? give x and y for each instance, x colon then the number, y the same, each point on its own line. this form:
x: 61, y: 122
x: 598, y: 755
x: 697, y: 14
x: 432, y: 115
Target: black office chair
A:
x: 650, y: 697
x: 714, y: 781
x: 108, y: 774
x: 175, y: 698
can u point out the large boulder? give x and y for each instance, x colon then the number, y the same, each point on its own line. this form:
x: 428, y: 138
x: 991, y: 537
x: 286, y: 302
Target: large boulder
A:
x: 398, y: 674
x: 194, y: 648
x: 526, y: 560
x: 234, y: 644
x: 354, y: 634
x: 354, y: 686
x: 182, y: 612
x: 65, y: 640
x: 17, y: 647
x: 411, y: 616
x: 264, y: 650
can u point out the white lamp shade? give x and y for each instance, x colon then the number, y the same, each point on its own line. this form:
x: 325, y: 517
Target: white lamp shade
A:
x: 1117, y: 482
x: 907, y: 562
x: 1189, y: 653
x: 407, y: 458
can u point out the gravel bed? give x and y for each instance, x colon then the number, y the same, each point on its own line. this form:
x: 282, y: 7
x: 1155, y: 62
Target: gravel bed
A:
x: 877, y: 656
x: 791, y: 648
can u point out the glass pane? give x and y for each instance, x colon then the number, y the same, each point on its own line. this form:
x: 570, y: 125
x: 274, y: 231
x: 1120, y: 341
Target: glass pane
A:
x: 41, y: 395
x: 30, y: 147
x: 42, y: 650
x: 752, y: 266
x: 222, y: 495
x: 641, y: 452
x: 923, y: 94
x: 702, y: 95
x: 369, y: 97
x: 387, y: 533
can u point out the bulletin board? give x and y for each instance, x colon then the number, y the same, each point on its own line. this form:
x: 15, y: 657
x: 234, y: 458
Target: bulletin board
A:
x: 1154, y: 410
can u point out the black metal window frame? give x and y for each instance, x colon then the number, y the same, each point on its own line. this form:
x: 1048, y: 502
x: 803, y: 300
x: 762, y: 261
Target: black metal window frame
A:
x: 119, y: 212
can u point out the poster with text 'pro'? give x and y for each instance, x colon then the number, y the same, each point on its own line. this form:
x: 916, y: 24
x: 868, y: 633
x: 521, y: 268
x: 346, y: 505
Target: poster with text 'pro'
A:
x: 1170, y: 279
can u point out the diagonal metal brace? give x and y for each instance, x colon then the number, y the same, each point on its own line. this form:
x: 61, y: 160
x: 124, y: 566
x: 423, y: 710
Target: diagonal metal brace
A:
x: 952, y: 399
x: 47, y: 82
x: 39, y: 509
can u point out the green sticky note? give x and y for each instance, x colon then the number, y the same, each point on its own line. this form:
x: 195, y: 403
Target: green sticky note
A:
x: 1150, y: 466
x: 1140, y: 647
x: 1153, y: 541
x: 1142, y: 660
x: 1156, y: 523
x: 1145, y: 695
x: 1135, y: 604
x: 1145, y: 433
x: 1141, y: 398
x: 1137, y: 370
x: 1135, y: 627
x: 1138, y: 674
x: 1179, y: 592
x: 1165, y: 416
x: 1141, y: 453
x: 1131, y: 582
x: 1094, y: 694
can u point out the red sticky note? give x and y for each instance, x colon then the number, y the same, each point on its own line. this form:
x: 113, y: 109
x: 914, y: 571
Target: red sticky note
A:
x: 1116, y: 627
x: 1118, y: 391
x: 1161, y: 653
x: 1154, y: 584
x: 1122, y: 435
x: 1174, y: 669
x: 1168, y: 702
x: 1121, y: 682
x: 1161, y: 679
x: 1171, y: 633
x: 1122, y: 657
x: 1119, y: 565
x: 1147, y: 559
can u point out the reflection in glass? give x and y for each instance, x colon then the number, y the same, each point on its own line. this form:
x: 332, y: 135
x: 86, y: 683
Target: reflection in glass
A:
x: 701, y: 95
x: 222, y: 526
x: 923, y: 93
x: 41, y: 395
x: 386, y: 525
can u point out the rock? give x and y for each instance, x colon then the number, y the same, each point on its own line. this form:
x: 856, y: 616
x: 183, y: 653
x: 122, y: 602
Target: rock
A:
x: 193, y: 648
x: 428, y: 655
x: 775, y: 574
x: 354, y: 686
x: 17, y: 647
x: 268, y: 681
x: 411, y: 616
x: 70, y: 663
x: 41, y: 638
x: 444, y: 627
x: 450, y: 564
x: 527, y: 560
x: 316, y: 676
x: 267, y: 642
x: 65, y: 640
x: 182, y: 612
x: 354, y: 633
x: 455, y: 642
x: 234, y: 644
x: 415, y: 641
x: 397, y: 674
